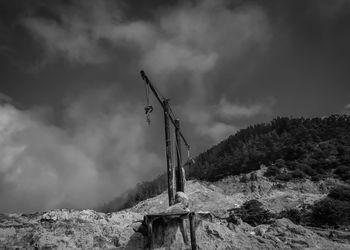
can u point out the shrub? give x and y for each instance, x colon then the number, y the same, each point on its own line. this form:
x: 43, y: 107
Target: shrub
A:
x: 244, y: 178
x: 311, y: 162
x: 292, y: 214
x: 298, y: 174
x: 341, y: 193
x: 253, y: 213
x: 272, y: 171
x: 321, y: 171
x: 284, y: 177
x: 253, y: 177
x: 330, y: 212
x: 309, y: 170
x: 280, y: 163
x: 343, y: 172
x: 279, y: 186
x: 316, y: 178
x: 292, y: 165
x: 330, y: 163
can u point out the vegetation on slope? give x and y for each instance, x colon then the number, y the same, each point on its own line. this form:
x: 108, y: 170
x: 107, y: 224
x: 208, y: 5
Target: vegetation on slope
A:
x: 332, y: 211
x: 253, y: 213
x: 316, y: 147
x: 293, y: 148
x: 141, y: 192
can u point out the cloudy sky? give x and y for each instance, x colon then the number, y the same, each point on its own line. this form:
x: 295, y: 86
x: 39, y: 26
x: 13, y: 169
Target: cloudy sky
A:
x: 72, y: 128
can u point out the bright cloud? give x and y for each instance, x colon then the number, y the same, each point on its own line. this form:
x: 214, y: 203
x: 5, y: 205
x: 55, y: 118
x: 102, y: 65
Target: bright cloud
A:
x: 230, y: 110
x: 93, y: 159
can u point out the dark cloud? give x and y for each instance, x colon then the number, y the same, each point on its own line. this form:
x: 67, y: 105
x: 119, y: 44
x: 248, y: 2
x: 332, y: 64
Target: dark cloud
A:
x: 76, y: 135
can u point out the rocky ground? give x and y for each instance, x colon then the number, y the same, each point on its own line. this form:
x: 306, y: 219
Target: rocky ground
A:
x: 87, y: 229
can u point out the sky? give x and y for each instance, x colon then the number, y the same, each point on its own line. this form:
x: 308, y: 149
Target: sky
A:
x: 73, y: 132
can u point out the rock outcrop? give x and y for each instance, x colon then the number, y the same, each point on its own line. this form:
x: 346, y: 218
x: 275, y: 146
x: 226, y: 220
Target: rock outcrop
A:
x: 70, y: 229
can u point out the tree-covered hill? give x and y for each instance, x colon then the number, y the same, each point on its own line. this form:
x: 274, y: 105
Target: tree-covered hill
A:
x: 315, y: 147
x: 292, y: 148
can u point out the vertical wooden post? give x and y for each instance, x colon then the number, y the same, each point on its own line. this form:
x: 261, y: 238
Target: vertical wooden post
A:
x: 170, y: 167
x: 180, y: 182
x: 149, y: 223
x: 184, y: 231
x: 192, y: 218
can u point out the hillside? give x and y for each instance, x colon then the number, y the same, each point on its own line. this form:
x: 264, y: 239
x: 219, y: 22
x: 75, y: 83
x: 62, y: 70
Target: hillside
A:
x: 318, y: 148
x: 217, y: 226
x: 292, y: 148
x: 281, y: 185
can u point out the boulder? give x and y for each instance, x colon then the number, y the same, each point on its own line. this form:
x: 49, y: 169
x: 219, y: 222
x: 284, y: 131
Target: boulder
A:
x: 181, y: 197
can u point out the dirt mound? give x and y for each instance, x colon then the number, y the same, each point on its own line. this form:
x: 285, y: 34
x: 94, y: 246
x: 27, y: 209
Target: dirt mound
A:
x: 203, y: 197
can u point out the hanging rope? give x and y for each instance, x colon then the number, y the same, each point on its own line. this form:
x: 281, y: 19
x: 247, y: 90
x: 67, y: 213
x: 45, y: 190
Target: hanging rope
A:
x: 148, y: 107
x: 190, y: 161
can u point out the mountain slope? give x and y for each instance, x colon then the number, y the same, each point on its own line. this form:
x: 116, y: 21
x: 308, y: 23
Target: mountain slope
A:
x: 292, y: 148
x: 313, y: 147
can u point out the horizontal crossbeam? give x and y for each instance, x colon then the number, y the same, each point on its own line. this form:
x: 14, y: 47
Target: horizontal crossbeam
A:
x: 157, y: 95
